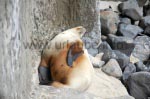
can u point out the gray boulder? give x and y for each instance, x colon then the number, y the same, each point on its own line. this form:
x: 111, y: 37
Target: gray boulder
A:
x: 109, y: 22
x: 146, y: 10
x: 123, y: 44
x: 139, y: 85
x: 141, y: 67
x: 144, y: 22
x: 112, y: 68
x: 103, y: 47
x: 125, y: 20
x: 109, y: 54
x: 130, y: 31
x: 147, y: 30
x: 142, y: 48
x: 141, y: 2
x: 90, y: 45
x: 121, y: 58
x: 129, y: 69
x: 130, y: 9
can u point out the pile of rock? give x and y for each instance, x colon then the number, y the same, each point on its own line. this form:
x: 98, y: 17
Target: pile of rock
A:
x: 126, y: 45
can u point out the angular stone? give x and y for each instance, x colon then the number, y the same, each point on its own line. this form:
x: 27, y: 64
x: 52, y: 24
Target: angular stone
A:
x: 104, y: 38
x: 103, y: 47
x: 108, y: 54
x: 139, y: 85
x: 125, y: 20
x: 141, y: 2
x: 96, y: 61
x: 141, y: 67
x: 147, y: 31
x: 130, y: 31
x: 90, y: 45
x: 144, y: 22
x: 146, y: 9
x: 123, y: 44
x: 109, y: 22
x: 112, y: 68
x: 130, y: 9
x: 142, y: 48
x: 129, y: 69
x: 121, y: 58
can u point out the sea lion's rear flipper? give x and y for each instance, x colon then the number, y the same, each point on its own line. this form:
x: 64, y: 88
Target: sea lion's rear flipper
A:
x: 44, y: 75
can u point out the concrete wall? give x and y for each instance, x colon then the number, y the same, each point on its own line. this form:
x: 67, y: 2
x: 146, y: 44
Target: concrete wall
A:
x: 23, y: 22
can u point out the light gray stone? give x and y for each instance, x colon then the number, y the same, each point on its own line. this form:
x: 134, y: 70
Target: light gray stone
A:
x: 142, y: 48
x: 130, y: 31
x: 112, y: 68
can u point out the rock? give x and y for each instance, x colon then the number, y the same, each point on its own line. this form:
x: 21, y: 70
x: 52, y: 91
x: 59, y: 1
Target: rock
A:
x: 146, y: 10
x: 104, y: 38
x: 125, y: 20
x: 141, y: 67
x: 147, y: 31
x: 90, y: 45
x: 105, y: 86
x: 112, y: 68
x: 129, y: 69
x: 130, y: 31
x: 123, y: 97
x: 130, y: 9
x: 109, y: 54
x: 48, y: 92
x: 142, y: 48
x: 93, y: 51
x: 144, y: 22
x: 109, y: 22
x: 139, y: 85
x: 133, y: 59
x: 141, y: 2
x: 96, y: 61
x: 121, y: 58
x: 103, y: 47
x: 123, y: 44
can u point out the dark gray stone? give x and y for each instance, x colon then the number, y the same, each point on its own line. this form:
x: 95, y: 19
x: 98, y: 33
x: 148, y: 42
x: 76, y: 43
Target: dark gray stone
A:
x: 130, y: 31
x: 144, y: 22
x: 146, y: 10
x: 147, y: 30
x: 141, y: 2
x: 108, y: 54
x: 139, y: 85
x: 103, y: 47
x: 125, y: 20
x: 141, y: 67
x: 130, y: 9
x: 109, y: 22
x: 123, y: 44
x: 121, y: 58
x: 104, y: 38
x: 129, y: 69
x: 142, y: 48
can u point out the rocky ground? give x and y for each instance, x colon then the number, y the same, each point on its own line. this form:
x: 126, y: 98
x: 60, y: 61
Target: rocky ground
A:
x: 126, y: 45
